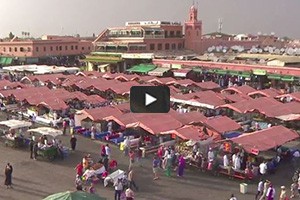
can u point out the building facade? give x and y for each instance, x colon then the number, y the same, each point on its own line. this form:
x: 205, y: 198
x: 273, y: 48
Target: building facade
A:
x: 47, y: 46
x: 141, y: 37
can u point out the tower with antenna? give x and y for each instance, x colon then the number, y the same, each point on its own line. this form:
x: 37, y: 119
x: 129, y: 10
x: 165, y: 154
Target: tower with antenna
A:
x: 220, y: 25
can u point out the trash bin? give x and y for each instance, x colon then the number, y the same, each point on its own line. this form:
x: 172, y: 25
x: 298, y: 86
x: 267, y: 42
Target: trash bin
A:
x: 143, y: 152
x: 243, y: 188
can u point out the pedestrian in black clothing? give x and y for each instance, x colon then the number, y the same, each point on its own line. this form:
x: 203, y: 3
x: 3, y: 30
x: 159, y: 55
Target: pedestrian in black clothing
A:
x: 31, y: 145
x: 8, y: 175
x: 35, y: 150
x: 105, y: 163
x: 73, y: 142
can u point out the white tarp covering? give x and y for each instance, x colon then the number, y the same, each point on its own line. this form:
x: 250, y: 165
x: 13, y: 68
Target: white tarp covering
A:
x: 47, y: 131
x: 15, y: 124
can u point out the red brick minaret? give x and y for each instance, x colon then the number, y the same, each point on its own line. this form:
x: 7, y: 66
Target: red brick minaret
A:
x: 193, y: 30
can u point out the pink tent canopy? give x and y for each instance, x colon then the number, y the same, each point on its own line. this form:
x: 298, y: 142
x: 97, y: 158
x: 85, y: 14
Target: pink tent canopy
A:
x: 222, y: 124
x: 244, y: 89
x: 188, y: 133
x: 266, y: 139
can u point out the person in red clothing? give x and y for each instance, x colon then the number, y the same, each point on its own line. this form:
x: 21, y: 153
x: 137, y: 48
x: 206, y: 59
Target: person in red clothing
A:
x: 79, y: 169
x: 64, y: 125
x: 103, y: 152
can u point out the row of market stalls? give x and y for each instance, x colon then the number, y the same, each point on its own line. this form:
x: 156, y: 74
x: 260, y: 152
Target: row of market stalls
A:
x: 97, y: 88
x: 183, y: 126
x: 20, y: 133
x: 201, y: 111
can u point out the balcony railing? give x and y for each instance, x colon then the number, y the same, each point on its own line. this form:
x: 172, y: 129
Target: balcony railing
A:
x: 154, y: 36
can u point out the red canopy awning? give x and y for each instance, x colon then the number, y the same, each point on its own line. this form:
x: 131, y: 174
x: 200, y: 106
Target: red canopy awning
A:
x: 222, y: 124
x: 266, y: 139
x: 189, y: 133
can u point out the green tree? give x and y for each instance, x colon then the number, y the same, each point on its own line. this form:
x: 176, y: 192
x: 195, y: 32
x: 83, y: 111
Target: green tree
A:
x: 11, y: 35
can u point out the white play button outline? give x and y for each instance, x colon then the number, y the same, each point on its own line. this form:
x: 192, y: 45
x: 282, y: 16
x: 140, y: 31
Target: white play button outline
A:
x: 149, y: 99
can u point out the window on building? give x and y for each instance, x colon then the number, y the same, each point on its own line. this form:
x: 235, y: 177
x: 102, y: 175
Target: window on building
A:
x: 56, y: 48
x: 173, y: 46
x: 171, y: 33
x: 60, y: 48
x: 28, y: 49
x: 45, y: 49
x: 82, y: 48
x: 4, y: 49
x: 152, y: 47
x: 37, y: 49
x: 167, y: 46
x: 89, y: 48
x: 72, y: 47
x: 16, y: 49
x: 51, y: 48
x: 179, y: 46
x: 21, y: 49
x: 76, y: 47
x: 66, y: 48
x: 178, y: 33
x: 166, y: 34
x: 197, y: 33
x: 159, y: 47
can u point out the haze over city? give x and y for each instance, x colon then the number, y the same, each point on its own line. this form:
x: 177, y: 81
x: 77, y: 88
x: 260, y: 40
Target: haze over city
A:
x: 70, y: 17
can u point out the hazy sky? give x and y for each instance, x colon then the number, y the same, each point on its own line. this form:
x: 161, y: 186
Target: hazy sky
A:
x: 85, y: 17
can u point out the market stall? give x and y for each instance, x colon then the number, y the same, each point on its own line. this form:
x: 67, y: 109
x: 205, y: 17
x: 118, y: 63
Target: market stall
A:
x: 47, y: 149
x: 13, y: 132
x: 251, y: 149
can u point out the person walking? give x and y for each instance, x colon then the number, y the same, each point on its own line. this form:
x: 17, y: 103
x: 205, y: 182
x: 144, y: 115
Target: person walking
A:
x: 266, y: 186
x: 35, y: 150
x: 8, y: 175
x: 103, y: 152
x: 71, y: 126
x: 129, y: 194
x: 260, y: 189
x: 131, y: 159
x: 155, y: 166
x: 271, y: 192
x: 73, y: 142
x: 93, y: 131
x: 64, y: 125
x: 126, y: 146
x: 79, y: 169
x: 131, y: 180
x: 181, y: 166
x: 168, y: 165
x: 31, y: 145
x: 118, y: 189
x: 263, y: 169
x: 105, y: 161
x: 294, y: 190
x: 283, y: 195
x: 108, y: 151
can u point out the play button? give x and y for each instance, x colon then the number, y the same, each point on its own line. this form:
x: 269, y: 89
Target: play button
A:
x: 149, y: 99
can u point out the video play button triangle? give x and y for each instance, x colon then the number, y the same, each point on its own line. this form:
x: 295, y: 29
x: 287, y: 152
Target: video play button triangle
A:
x: 149, y: 99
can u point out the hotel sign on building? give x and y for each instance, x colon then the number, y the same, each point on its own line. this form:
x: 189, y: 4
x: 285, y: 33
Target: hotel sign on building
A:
x: 143, y: 23
x: 137, y: 56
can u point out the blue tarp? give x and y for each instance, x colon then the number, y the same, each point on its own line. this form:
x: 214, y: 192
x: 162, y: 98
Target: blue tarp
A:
x: 232, y: 134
